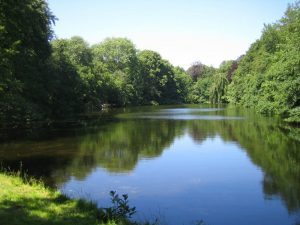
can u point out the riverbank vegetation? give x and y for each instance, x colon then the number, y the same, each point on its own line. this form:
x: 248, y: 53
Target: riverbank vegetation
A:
x: 46, y: 79
x: 268, y: 76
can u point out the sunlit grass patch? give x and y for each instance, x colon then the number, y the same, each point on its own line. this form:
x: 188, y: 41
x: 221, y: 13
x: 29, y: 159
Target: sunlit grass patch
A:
x: 24, y: 200
x: 32, y: 203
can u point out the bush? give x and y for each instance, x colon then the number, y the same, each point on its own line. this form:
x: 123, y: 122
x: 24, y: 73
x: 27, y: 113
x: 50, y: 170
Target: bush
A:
x: 120, y: 209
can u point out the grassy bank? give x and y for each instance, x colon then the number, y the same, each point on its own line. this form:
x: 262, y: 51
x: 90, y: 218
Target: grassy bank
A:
x: 30, y: 202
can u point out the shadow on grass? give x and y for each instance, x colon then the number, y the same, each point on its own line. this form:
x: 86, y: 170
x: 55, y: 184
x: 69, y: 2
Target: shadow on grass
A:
x: 43, y: 211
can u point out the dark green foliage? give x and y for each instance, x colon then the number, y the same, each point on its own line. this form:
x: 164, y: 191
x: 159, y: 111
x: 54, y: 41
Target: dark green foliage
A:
x: 268, y: 77
x: 43, y: 81
x: 126, y: 76
x: 71, y: 61
x: 293, y: 115
x: 156, y: 81
x: 65, y: 88
x: 114, y: 72
x: 25, y: 31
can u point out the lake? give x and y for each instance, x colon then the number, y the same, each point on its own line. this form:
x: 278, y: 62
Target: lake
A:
x: 179, y: 164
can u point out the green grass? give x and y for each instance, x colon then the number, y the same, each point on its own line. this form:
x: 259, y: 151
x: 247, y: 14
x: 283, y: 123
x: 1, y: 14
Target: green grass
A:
x: 30, y: 202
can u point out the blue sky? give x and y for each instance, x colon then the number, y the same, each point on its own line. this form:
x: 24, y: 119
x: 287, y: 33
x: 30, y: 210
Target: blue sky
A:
x: 182, y: 31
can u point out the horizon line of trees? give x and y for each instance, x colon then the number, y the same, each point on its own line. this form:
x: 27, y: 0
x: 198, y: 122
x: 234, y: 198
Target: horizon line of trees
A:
x: 45, y: 79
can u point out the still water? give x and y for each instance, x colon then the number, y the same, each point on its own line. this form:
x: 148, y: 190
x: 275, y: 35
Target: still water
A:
x: 179, y: 164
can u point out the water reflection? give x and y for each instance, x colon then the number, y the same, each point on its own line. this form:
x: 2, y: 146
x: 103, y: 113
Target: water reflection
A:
x: 119, y: 147
x: 182, y: 114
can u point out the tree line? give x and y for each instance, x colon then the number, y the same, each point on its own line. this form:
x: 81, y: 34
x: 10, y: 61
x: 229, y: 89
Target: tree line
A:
x: 268, y: 76
x: 44, y: 78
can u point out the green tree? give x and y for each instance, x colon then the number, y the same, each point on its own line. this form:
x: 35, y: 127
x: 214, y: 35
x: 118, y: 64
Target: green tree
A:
x: 75, y: 49
x: 76, y: 53
x: 25, y: 31
x: 115, y: 66
x: 217, y: 90
x: 202, y: 76
x: 183, y: 83
x: 156, y: 79
x: 199, y: 91
x: 268, y: 75
x: 116, y: 54
x: 66, y: 88
x: 220, y: 81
